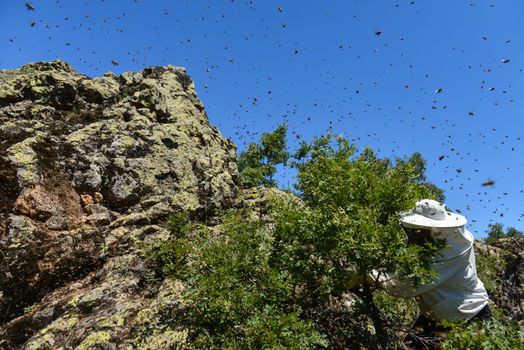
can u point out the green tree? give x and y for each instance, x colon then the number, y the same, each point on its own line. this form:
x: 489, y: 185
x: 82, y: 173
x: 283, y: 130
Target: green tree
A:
x: 257, y: 165
x: 349, y: 223
x: 419, y: 165
x: 513, y: 232
x: 496, y: 231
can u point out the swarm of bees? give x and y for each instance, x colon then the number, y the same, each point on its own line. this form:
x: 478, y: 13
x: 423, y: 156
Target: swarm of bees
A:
x: 356, y: 90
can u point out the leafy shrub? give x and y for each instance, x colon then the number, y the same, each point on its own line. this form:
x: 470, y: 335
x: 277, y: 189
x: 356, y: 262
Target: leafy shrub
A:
x: 30, y: 308
x: 496, y: 334
x: 401, y: 313
x: 251, y: 286
x: 238, y: 300
x: 349, y: 224
x: 168, y: 258
x: 488, y: 270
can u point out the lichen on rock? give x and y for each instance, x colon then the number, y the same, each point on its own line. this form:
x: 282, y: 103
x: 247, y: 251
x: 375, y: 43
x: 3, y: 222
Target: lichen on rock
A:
x: 89, y: 167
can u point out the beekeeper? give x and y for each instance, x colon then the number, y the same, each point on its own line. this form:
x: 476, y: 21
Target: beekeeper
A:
x: 457, y: 293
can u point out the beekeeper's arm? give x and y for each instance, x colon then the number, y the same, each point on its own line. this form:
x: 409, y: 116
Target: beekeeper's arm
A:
x: 404, y: 288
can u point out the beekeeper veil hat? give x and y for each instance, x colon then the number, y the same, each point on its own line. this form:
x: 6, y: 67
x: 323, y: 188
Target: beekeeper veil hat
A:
x: 430, y: 213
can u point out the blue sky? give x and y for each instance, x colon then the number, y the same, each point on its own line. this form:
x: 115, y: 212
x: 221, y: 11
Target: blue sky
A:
x: 322, y: 64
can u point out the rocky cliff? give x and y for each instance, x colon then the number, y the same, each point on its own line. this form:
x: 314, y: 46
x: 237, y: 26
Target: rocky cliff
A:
x: 501, y: 264
x: 89, y: 170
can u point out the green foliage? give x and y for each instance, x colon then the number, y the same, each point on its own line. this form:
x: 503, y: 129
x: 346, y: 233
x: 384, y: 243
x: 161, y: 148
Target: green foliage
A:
x: 350, y: 223
x: 257, y: 165
x: 353, y: 212
x: 30, y: 308
x: 169, y: 257
x: 178, y: 224
x: 419, y: 166
x: 496, y: 232
x: 488, y: 270
x: 238, y: 299
x: 250, y: 286
x: 400, y: 313
x: 496, y: 334
x: 513, y: 232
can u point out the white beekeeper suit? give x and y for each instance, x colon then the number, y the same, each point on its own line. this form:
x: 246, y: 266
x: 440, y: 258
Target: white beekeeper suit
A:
x: 457, y: 293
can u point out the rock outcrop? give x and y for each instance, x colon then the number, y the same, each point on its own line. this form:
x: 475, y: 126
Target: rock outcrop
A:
x: 507, y: 278
x: 89, y: 167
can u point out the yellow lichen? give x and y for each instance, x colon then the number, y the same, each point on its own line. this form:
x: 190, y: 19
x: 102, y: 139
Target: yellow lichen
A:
x: 104, y: 88
x: 112, y: 322
x: 9, y: 91
x: 144, y: 317
x: 167, y: 339
x: 188, y: 200
x: 22, y: 153
x: 94, y: 339
x: 43, y: 341
x: 80, y: 136
x: 74, y: 301
x: 92, y: 298
x: 62, y: 324
x: 119, y: 231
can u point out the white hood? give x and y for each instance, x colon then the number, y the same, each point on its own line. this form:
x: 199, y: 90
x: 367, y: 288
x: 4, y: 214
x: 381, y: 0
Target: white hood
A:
x: 458, y: 241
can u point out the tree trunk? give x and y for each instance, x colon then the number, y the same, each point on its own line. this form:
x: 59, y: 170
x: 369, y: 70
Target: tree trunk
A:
x: 384, y: 336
